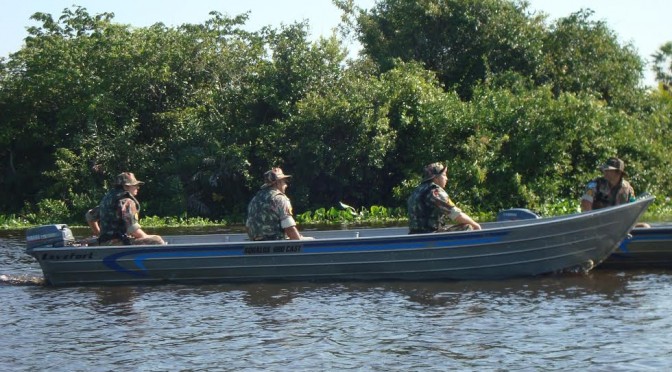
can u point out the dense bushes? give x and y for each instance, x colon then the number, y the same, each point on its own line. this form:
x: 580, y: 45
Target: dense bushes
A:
x: 200, y: 111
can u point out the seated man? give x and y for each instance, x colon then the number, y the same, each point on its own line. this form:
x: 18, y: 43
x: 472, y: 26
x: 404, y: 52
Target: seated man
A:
x: 429, y: 206
x: 610, y: 189
x: 119, y: 214
x: 269, y: 214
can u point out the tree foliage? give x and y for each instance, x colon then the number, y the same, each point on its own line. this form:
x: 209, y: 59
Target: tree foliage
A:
x: 522, y: 112
x: 465, y: 42
x: 461, y: 41
x: 581, y: 55
x: 662, y: 64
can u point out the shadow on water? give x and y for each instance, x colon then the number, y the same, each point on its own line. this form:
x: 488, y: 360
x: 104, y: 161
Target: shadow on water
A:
x: 116, y: 301
x: 443, y: 293
x: 605, y: 285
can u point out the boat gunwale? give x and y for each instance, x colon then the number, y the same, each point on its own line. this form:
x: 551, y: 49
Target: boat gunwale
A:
x: 497, y: 229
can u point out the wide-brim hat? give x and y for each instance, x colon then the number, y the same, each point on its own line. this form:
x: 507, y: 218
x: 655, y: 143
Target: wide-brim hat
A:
x: 127, y: 179
x: 432, y: 170
x: 274, y: 175
x: 614, y: 164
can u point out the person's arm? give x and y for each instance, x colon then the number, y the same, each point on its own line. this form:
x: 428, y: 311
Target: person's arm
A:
x: 92, y: 217
x: 287, y: 220
x: 463, y: 218
x: 95, y: 227
x: 129, y: 215
x: 588, y: 196
x: 441, y: 199
x: 293, y: 233
x: 586, y: 205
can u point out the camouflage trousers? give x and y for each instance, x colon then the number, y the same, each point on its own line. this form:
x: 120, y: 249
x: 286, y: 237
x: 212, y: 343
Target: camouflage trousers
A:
x: 149, y: 240
x: 459, y: 227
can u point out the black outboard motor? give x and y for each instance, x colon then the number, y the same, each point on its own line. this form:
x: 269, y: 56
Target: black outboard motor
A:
x: 515, y: 214
x: 58, y: 235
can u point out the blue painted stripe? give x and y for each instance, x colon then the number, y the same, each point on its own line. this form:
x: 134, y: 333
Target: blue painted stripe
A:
x: 364, y: 245
x: 140, y: 259
x: 111, y: 261
x: 387, y: 246
x: 659, y: 236
x: 637, y: 238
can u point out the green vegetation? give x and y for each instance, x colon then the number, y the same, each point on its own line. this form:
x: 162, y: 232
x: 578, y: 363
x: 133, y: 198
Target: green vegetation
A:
x: 521, y: 110
x: 660, y: 210
x: 13, y: 222
x: 349, y: 215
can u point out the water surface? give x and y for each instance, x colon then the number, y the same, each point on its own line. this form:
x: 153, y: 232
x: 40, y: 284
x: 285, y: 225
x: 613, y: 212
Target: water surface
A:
x: 605, y: 320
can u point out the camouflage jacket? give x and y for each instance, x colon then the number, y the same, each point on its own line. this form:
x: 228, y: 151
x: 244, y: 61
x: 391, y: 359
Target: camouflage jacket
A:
x: 118, y: 215
x: 430, y: 209
x: 601, y: 195
x: 265, y: 214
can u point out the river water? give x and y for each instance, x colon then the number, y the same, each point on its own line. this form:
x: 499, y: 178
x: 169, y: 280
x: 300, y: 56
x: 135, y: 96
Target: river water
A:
x: 601, y: 321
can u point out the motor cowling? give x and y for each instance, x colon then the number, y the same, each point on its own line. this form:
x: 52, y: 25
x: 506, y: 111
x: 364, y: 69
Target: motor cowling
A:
x: 58, y: 235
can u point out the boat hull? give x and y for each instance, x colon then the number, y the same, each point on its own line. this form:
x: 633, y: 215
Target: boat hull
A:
x: 646, y: 248
x: 502, y: 250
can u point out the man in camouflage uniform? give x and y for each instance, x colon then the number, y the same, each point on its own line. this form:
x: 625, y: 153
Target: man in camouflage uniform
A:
x: 610, y: 189
x: 119, y: 214
x: 430, y: 208
x: 269, y: 214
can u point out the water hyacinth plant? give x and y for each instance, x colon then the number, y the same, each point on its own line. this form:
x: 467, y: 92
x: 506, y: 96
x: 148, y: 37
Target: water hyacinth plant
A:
x: 347, y: 214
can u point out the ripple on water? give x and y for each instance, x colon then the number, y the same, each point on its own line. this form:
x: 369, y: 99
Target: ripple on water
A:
x: 603, y: 321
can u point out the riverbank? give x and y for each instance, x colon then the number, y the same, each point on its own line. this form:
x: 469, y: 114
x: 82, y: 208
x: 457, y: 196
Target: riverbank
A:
x: 659, y: 211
